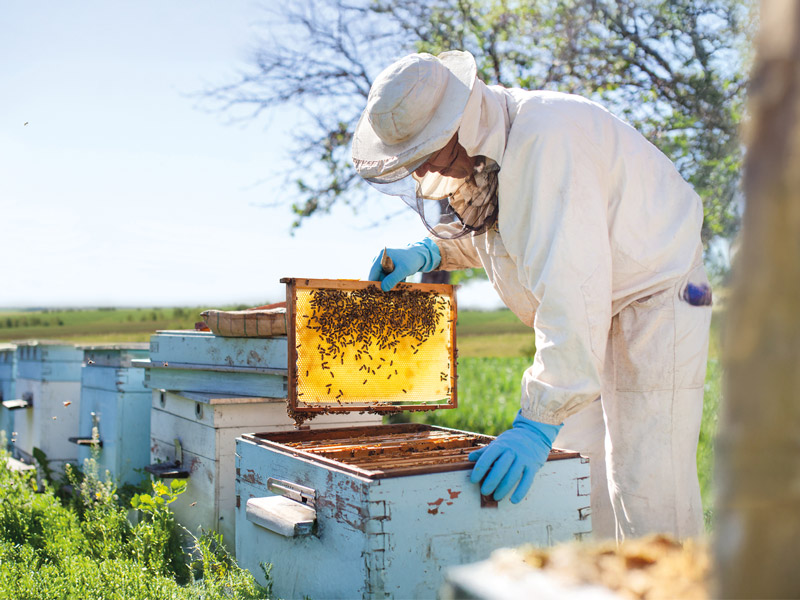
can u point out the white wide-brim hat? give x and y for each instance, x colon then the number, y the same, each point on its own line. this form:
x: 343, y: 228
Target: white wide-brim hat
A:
x: 414, y: 108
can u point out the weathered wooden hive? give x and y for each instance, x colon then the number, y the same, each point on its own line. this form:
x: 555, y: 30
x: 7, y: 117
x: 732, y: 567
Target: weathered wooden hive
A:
x: 114, y: 411
x: 8, y: 377
x: 47, y: 407
x: 206, y: 391
x: 381, y: 511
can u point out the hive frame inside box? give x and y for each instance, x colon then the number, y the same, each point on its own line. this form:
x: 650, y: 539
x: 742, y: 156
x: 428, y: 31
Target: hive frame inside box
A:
x: 388, y: 536
x: 302, y: 407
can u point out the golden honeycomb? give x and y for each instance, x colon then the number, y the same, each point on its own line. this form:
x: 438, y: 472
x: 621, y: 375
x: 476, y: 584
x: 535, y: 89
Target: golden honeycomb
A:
x: 365, y: 347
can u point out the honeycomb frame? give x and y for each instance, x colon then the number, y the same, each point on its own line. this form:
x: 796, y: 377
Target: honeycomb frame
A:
x: 427, y: 353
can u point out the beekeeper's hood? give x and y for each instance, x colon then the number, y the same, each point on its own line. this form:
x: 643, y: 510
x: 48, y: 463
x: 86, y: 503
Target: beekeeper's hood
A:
x: 415, y: 107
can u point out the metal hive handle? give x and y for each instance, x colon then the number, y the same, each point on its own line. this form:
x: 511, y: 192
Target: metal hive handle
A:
x: 282, y: 515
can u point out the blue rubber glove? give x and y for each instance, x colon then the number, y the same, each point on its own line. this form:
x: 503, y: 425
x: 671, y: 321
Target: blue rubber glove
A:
x: 422, y: 256
x: 514, y: 456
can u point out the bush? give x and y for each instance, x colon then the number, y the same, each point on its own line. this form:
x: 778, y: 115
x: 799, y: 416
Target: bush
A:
x: 85, y: 546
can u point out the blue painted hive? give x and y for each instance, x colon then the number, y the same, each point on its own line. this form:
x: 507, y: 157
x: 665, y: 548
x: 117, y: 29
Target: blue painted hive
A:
x: 8, y: 377
x: 49, y: 386
x: 115, y: 411
x: 206, y: 391
x: 381, y: 511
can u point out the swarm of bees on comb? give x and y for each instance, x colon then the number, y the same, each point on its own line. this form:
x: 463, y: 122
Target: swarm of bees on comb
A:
x: 367, y: 346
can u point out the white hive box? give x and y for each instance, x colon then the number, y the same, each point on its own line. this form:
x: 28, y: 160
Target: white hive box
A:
x: 115, y: 400
x: 207, y: 391
x: 49, y: 381
x: 388, y: 523
x: 8, y: 377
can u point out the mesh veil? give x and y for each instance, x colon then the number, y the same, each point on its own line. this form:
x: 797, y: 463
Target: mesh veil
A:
x: 450, y: 208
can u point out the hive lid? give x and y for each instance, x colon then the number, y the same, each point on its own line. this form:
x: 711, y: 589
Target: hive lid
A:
x: 120, y: 354
x: 353, y: 347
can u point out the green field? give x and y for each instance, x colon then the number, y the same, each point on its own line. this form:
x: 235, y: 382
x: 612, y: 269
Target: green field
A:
x: 99, y: 325
x: 137, y: 324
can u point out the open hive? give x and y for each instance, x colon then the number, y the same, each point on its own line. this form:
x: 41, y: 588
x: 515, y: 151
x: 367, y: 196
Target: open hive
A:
x: 355, y: 347
x: 387, y: 451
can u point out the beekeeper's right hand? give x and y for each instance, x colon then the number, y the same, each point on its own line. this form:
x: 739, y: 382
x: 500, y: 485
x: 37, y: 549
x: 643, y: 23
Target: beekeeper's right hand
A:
x: 421, y: 256
x: 513, y: 458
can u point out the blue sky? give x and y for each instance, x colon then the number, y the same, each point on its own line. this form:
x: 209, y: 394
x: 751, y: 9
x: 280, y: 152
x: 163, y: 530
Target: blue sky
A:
x: 121, y: 191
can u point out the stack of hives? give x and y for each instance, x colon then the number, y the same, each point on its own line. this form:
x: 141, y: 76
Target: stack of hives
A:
x: 8, y: 376
x: 206, y: 391
x: 47, y: 407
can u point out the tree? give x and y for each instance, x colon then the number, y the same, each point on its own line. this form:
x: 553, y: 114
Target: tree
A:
x: 758, y: 472
x: 672, y: 68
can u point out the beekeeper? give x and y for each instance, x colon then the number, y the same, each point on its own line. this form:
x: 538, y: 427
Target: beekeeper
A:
x: 592, y: 238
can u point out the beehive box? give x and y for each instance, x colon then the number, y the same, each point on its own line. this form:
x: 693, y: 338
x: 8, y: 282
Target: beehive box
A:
x: 199, y: 361
x: 8, y: 376
x: 212, y: 390
x: 381, y: 512
x: 49, y: 376
x: 115, y: 402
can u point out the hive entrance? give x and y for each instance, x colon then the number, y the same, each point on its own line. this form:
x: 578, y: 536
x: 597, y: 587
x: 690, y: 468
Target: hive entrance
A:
x: 355, y: 347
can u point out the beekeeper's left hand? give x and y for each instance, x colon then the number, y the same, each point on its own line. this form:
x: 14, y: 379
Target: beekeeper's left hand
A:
x: 513, y: 458
x: 421, y: 256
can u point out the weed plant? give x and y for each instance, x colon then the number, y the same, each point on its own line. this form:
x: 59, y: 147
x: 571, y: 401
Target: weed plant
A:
x: 85, y: 547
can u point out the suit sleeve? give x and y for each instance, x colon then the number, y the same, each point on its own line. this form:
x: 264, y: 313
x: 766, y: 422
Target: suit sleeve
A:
x: 459, y: 253
x: 553, y: 219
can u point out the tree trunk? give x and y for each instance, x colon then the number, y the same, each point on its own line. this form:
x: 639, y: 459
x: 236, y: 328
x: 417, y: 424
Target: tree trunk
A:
x: 757, y: 544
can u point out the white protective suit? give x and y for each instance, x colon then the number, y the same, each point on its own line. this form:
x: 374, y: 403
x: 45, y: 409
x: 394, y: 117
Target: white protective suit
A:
x: 596, y: 238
